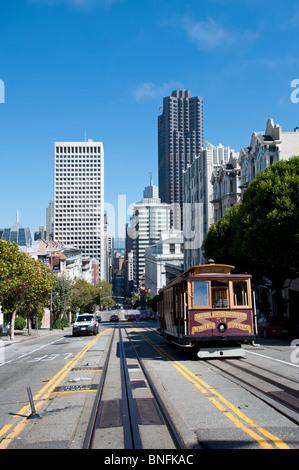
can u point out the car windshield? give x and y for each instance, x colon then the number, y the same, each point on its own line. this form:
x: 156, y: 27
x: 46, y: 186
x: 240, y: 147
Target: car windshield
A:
x: 85, y: 318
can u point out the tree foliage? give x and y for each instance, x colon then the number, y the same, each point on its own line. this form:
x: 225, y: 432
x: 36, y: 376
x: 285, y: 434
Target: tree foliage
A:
x: 106, y: 294
x: 61, y: 297
x: 84, y: 297
x: 24, y: 282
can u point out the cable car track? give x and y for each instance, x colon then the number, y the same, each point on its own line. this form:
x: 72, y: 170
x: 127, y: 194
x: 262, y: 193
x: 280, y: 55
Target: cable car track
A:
x: 130, y: 406
x: 284, y: 398
x: 281, y: 397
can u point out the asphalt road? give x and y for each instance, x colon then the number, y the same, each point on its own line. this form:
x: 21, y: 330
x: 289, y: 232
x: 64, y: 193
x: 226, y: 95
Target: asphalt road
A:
x: 210, y: 410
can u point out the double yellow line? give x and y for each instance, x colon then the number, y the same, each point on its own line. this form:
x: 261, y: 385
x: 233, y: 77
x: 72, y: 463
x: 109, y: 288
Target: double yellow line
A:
x: 265, y: 439
x: 42, y: 396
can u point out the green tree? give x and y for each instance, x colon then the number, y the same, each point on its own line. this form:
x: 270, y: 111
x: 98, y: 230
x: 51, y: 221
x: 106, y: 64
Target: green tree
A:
x: 24, y: 281
x: 269, y: 220
x: 106, y: 294
x: 61, y: 297
x: 84, y: 297
x: 222, y: 240
x: 261, y: 233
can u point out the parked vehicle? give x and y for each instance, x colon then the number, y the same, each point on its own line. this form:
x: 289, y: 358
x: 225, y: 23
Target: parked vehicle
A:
x: 131, y: 317
x: 114, y: 318
x: 273, y: 326
x: 86, y: 323
x: 144, y: 316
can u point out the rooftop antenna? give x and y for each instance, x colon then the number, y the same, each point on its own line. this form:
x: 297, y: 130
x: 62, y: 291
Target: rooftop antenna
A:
x: 85, y: 136
x: 17, y: 221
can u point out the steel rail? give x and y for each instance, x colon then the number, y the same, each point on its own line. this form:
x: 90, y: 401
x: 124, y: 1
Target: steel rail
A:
x: 270, y: 398
x: 178, y: 442
x: 92, y: 420
x: 132, y: 438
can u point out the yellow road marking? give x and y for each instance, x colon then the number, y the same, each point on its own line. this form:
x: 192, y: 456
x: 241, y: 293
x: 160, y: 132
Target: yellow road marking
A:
x: 206, y: 389
x: 5, y: 429
x: 26, y: 410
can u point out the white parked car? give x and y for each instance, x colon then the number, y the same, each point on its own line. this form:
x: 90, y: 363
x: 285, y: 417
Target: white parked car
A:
x: 86, y: 323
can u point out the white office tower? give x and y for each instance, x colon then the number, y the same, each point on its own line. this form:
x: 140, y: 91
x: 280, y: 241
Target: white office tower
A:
x: 79, y: 197
x: 150, y: 218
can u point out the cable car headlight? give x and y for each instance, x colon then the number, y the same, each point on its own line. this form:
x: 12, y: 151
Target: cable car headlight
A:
x: 222, y: 327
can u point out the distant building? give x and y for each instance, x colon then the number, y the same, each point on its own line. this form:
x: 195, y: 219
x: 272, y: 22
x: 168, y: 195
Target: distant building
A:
x: 41, y: 234
x: 18, y: 234
x: 226, y: 186
x: 64, y: 260
x: 198, y: 194
x: 79, y: 197
x: 168, y: 250
x: 50, y: 221
x: 118, y: 262
x: 129, y: 263
x: 180, y: 138
x: 150, y: 218
x: 107, y: 257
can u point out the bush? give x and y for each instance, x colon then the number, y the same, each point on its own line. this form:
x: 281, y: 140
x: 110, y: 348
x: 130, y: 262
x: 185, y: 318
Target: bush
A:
x: 20, y: 323
x: 60, y: 323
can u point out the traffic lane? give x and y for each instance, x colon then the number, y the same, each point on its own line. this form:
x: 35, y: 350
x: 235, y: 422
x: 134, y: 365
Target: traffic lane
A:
x: 212, y: 411
x: 280, y: 360
x: 33, y: 365
x: 280, y: 351
x: 24, y: 344
x: 61, y: 415
x: 20, y: 350
x: 26, y: 364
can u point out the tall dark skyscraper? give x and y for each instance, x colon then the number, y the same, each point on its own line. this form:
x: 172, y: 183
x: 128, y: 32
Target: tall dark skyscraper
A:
x: 180, y: 138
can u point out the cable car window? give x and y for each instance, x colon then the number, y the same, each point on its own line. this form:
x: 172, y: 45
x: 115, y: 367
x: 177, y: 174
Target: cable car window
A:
x: 240, y: 293
x: 219, y: 294
x: 219, y: 298
x: 201, y: 294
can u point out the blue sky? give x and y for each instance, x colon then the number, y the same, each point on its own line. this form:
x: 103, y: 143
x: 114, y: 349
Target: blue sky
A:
x: 103, y: 67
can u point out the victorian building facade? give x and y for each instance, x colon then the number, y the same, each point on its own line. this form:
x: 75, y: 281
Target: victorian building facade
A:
x: 265, y: 149
x: 198, y: 194
x: 226, y: 186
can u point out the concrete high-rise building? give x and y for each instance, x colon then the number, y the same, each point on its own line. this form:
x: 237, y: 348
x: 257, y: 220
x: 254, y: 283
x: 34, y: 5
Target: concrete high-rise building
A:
x: 180, y: 138
x: 168, y: 250
x: 49, y: 220
x: 79, y: 197
x: 198, y: 194
x: 108, y: 251
x: 150, y: 218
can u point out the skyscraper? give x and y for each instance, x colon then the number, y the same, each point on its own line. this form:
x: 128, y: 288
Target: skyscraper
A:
x: 79, y: 196
x: 180, y: 138
x: 17, y: 233
x: 150, y: 218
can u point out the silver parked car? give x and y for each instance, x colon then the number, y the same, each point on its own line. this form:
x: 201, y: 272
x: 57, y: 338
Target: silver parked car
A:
x: 86, y: 323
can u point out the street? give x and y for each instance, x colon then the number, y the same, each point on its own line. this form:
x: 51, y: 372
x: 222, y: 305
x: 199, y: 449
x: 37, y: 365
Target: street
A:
x: 210, y: 409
